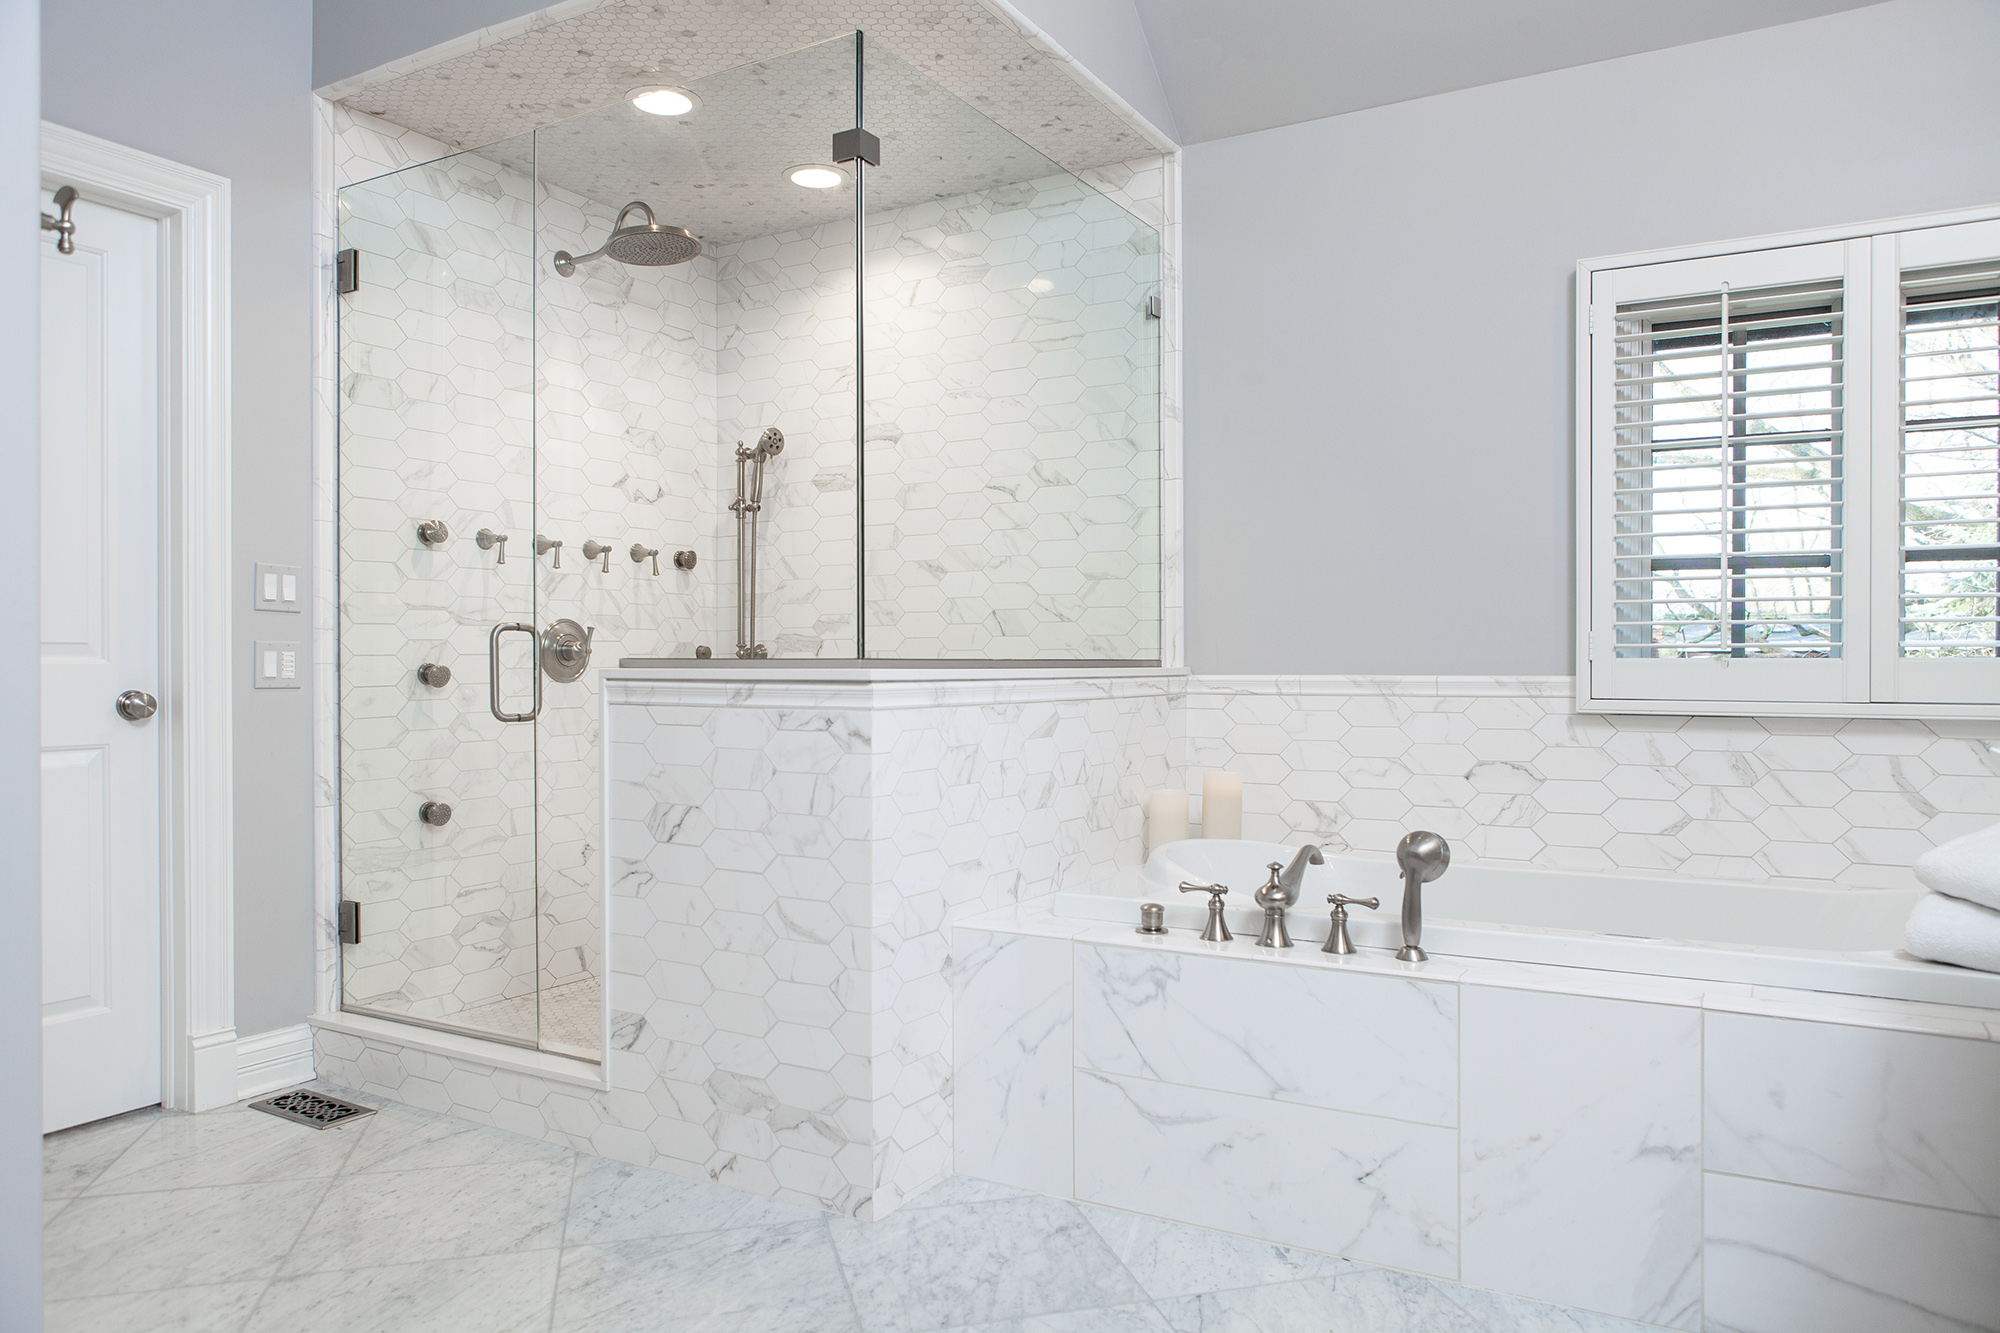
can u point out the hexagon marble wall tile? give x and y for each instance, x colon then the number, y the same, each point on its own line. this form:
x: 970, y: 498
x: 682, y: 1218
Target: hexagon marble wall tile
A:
x: 1511, y: 773
x: 785, y: 866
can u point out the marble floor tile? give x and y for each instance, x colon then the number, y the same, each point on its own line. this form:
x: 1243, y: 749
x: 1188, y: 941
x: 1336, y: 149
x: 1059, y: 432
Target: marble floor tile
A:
x: 232, y: 1147
x: 1144, y: 1318
x: 173, y: 1238
x: 377, y: 1218
x: 72, y: 1158
x: 754, y: 1279
x: 964, y: 1189
x: 1377, y: 1301
x: 400, y: 1138
x: 933, y: 1268
x: 218, y: 1308
x: 612, y: 1201
x: 505, y: 1293
x: 1169, y: 1259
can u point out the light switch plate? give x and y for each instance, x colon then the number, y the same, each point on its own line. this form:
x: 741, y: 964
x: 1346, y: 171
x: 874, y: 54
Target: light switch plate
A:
x: 277, y: 587
x: 278, y: 664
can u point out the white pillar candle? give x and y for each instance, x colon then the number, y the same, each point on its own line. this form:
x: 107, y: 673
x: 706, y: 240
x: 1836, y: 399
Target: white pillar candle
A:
x: 1166, y: 818
x: 1222, y: 805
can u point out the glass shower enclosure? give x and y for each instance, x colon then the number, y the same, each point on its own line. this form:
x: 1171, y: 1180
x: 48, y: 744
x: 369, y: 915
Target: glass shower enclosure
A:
x: 895, y: 412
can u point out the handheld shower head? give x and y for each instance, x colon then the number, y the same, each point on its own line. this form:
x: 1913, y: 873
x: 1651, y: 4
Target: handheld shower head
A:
x: 1422, y: 856
x: 771, y: 443
x: 652, y: 244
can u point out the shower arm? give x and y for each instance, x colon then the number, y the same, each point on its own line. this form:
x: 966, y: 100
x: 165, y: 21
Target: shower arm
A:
x: 617, y: 224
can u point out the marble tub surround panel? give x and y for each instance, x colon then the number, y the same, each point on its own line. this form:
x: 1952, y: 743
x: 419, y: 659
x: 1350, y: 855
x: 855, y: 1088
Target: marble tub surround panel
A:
x: 1891, y: 1115
x: 1580, y: 1152
x: 1376, y: 1045
x: 1363, y: 1187
x: 1788, y: 1259
x: 1576, y: 1133
x: 1507, y: 770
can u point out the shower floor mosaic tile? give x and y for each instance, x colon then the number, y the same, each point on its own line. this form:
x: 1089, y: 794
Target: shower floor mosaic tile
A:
x: 570, y: 1018
x: 407, y: 1220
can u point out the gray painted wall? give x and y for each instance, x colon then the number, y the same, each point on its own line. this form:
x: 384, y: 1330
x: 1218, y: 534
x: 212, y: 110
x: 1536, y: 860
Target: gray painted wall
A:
x: 225, y: 85
x: 1378, y: 315
x: 351, y: 37
x: 20, y: 676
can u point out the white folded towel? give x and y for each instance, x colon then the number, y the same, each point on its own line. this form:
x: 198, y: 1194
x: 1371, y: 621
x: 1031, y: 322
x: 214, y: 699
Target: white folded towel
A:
x: 1967, y: 867
x: 1951, y: 930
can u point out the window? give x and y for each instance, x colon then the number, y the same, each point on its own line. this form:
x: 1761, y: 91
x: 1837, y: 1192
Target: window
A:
x: 1789, y: 476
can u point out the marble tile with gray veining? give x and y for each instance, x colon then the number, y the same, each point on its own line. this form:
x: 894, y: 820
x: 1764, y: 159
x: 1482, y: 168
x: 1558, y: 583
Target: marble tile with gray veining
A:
x: 383, y: 1217
x: 1378, y: 1301
x: 222, y: 1307
x: 509, y: 1293
x: 1172, y: 1259
x: 237, y: 1146
x: 73, y: 1158
x: 934, y: 1268
x: 769, y: 1279
x: 611, y: 1201
x: 180, y: 1236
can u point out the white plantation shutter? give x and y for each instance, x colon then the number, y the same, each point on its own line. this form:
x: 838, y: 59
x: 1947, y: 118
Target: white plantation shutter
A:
x: 1724, y: 392
x: 1939, y: 512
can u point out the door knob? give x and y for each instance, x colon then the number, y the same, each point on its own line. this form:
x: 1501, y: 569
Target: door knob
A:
x: 137, y: 705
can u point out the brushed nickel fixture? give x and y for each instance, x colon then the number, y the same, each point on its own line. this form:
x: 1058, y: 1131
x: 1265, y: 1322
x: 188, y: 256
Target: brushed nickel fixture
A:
x: 63, y: 225
x: 1217, y: 929
x: 137, y: 705
x: 1281, y: 893
x: 640, y: 554
x: 1336, y: 938
x: 748, y: 503
x: 1152, y: 919
x: 493, y: 673
x: 544, y: 545
x: 1422, y: 857
x: 433, y: 675
x: 433, y: 532
x: 435, y: 813
x: 683, y: 559
x: 488, y: 539
x: 703, y: 651
x: 594, y: 549
x: 566, y: 649
x: 653, y: 245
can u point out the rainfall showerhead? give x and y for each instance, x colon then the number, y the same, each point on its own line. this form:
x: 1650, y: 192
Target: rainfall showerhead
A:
x: 653, y: 245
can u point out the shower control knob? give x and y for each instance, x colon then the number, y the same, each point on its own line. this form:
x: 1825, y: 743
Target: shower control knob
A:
x: 592, y: 550
x: 433, y: 675
x: 488, y: 539
x: 137, y: 705
x: 435, y: 813
x: 640, y: 554
x: 433, y: 532
x: 683, y: 559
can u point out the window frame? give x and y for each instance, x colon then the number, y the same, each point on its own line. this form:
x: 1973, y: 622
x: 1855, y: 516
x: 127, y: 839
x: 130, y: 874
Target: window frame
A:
x: 1870, y: 678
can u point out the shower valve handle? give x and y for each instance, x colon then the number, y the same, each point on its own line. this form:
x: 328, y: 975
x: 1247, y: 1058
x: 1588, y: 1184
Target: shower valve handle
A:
x: 640, y: 554
x: 593, y: 549
x: 488, y: 539
x: 544, y: 545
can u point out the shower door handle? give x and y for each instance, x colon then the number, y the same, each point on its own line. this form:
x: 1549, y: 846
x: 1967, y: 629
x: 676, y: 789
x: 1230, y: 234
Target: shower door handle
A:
x: 493, y: 672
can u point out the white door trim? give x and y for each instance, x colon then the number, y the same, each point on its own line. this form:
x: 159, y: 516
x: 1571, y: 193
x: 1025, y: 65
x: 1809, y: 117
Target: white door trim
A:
x: 198, y: 909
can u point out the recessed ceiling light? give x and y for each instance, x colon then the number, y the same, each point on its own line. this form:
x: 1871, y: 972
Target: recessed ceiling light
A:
x: 817, y: 177
x: 663, y: 101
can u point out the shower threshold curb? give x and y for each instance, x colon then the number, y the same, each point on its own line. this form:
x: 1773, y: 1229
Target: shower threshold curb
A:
x: 473, y: 1050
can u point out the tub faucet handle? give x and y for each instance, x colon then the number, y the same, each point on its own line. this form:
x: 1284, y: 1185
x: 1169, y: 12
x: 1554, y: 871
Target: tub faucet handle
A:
x: 1217, y: 929
x: 1336, y: 939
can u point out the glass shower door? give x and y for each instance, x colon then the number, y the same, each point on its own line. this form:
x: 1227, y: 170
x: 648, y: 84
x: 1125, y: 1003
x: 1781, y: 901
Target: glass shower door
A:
x: 438, y: 624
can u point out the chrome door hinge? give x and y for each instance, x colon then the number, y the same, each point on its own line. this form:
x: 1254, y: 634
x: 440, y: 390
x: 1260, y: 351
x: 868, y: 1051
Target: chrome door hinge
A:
x: 350, y: 921
x: 347, y: 272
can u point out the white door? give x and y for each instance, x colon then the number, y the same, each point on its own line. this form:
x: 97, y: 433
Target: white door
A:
x: 101, y: 1033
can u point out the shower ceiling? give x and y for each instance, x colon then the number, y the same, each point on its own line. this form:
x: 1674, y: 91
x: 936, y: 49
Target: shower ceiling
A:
x: 721, y: 171
x: 517, y: 77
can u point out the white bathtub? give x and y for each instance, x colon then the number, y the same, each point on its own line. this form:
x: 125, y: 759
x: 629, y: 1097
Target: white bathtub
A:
x: 1847, y: 941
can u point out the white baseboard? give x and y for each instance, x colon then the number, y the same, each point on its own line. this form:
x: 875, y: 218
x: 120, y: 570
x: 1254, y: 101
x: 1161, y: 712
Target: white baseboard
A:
x: 272, y: 1060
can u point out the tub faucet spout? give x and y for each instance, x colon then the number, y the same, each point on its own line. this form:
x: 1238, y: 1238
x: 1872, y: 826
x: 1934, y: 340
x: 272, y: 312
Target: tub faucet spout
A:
x: 1281, y: 892
x: 1422, y: 857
